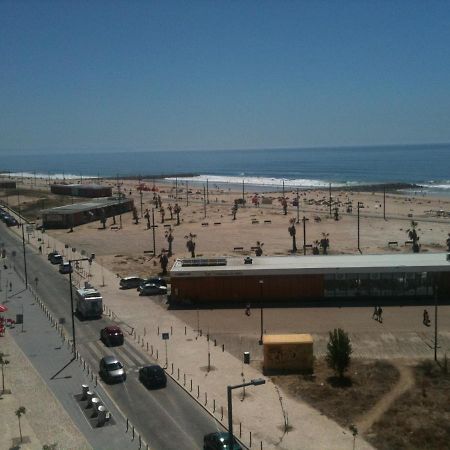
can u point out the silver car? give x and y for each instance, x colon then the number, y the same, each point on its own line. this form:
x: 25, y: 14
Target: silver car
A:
x: 152, y: 289
x: 112, y: 370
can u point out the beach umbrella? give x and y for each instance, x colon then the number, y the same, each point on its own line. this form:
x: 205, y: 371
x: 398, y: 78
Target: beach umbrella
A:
x: 3, y: 308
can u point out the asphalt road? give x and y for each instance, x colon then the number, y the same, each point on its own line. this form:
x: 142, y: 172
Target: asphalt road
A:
x: 165, y: 418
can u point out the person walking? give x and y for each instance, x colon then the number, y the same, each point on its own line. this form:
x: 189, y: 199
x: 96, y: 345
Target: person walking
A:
x: 380, y: 314
x: 426, y: 318
x: 375, y: 313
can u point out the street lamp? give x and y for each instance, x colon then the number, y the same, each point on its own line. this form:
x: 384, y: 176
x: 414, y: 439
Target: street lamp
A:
x: 359, y: 206
x: 261, y: 284
x: 90, y: 259
x: 255, y: 382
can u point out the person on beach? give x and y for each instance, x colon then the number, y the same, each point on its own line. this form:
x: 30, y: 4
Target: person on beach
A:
x: 380, y: 314
x: 426, y: 318
x: 375, y: 313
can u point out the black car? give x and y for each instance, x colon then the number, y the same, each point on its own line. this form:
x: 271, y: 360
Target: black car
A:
x: 153, y: 376
x: 157, y: 281
x: 130, y: 282
x: 219, y: 441
x: 56, y: 258
x: 11, y: 221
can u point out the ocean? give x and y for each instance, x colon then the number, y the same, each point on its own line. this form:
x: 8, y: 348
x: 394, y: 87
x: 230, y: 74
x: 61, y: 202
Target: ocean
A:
x: 424, y: 165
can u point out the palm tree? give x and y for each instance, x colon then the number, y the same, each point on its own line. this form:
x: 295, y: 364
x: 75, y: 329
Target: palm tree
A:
x: 19, y: 413
x: 258, y: 249
x: 412, y: 234
x: 3, y: 362
x: 292, y: 232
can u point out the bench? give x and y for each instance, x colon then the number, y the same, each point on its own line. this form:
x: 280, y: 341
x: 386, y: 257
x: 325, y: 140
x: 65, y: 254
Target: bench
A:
x: 167, y: 226
x: 205, y: 224
x: 253, y: 248
x: 308, y: 245
x: 238, y: 249
x: 393, y: 243
x: 267, y: 221
x: 217, y: 223
x: 255, y: 221
x: 408, y: 242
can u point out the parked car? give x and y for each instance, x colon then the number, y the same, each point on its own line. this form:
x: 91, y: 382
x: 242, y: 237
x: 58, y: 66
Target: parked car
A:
x: 112, y: 370
x: 11, y: 221
x: 153, y: 376
x: 50, y: 255
x: 130, y: 282
x: 155, y: 280
x: 152, y: 289
x: 56, y: 258
x: 219, y: 441
x: 112, y: 336
x: 65, y: 267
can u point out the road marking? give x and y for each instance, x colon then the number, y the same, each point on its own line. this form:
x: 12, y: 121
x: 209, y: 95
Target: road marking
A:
x: 93, y: 347
x: 132, y: 353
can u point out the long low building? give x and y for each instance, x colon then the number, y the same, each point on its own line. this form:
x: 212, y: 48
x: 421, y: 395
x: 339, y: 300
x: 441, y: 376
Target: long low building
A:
x: 301, y: 278
x: 79, y: 213
x: 81, y: 190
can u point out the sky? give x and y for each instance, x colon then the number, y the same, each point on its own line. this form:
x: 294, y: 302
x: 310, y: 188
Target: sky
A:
x: 183, y: 75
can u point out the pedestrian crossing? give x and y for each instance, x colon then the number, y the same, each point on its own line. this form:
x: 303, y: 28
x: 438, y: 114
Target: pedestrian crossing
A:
x: 132, y: 358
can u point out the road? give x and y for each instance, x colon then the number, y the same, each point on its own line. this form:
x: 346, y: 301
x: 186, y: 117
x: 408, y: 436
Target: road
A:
x: 165, y: 418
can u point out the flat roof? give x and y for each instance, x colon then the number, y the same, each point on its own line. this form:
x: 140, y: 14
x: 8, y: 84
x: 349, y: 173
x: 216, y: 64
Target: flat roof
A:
x: 287, y: 339
x: 318, y: 264
x: 85, y: 206
x: 82, y: 186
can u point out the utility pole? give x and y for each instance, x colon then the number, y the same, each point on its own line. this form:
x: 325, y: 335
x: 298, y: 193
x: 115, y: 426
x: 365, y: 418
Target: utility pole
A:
x: 243, y: 192
x: 153, y: 226
x: 330, y: 199
x: 207, y: 191
x: 384, y: 202
x: 24, y: 255
x: 359, y: 248
x: 304, y: 234
x: 204, y: 201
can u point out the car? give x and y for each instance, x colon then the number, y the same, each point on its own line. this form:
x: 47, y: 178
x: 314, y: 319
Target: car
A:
x: 153, y: 376
x: 50, y: 255
x: 65, y: 267
x: 219, y: 441
x: 152, y: 289
x: 155, y: 280
x: 130, y: 282
x: 112, y: 370
x: 11, y: 221
x: 112, y: 336
x: 56, y: 258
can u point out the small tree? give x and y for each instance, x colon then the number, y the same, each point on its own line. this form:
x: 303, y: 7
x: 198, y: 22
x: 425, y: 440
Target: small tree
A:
x: 3, y: 362
x: 448, y: 243
x: 169, y: 238
x: 258, y: 249
x: 412, y: 234
x: 339, y: 350
x: 19, y: 412
x: 292, y: 232
x: 177, y: 210
x: 234, y: 210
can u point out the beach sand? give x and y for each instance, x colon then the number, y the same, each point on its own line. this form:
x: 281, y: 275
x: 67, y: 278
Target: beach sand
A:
x: 127, y: 250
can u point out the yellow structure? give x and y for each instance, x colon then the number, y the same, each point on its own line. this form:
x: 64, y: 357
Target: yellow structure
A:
x: 291, y: 353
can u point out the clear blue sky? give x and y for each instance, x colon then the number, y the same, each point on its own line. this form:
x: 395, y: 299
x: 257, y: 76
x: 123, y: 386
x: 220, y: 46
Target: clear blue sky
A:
x: 155, y: 75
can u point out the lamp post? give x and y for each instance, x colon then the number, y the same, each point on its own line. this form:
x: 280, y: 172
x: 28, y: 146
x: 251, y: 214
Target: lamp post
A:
x: 255, y: 382
x: 90, y: 259
x: 304, y: 234
x: 261, y: 284
x: 359, y: 206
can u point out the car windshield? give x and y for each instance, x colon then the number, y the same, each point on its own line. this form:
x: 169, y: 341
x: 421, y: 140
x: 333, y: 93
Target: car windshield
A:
x: 114, y: 366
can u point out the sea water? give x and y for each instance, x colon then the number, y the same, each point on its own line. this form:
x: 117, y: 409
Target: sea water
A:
x: 425, y: 165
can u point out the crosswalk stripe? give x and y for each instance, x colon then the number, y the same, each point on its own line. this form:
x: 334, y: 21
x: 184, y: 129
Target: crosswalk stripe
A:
x: 132, y: 353
x: 94, y: 348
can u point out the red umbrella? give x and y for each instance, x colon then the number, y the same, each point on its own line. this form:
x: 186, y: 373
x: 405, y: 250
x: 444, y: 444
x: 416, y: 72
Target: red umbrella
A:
x: 3, y: 308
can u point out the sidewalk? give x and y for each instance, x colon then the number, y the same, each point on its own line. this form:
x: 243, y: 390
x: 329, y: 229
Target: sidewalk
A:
x: 260, y: 416
x: 43, y: 378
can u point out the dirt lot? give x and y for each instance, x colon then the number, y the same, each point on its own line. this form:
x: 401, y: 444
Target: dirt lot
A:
x: 419, y: 419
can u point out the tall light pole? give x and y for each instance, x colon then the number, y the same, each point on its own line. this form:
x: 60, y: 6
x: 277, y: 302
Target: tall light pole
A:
x: 24, y: 255
x: 261, y: 284
x: 435, y: 318
x: 90, y: 259
x: 359, y: 206
x: 304, y: 234
x: 298, y: 208
x: 255, y: 382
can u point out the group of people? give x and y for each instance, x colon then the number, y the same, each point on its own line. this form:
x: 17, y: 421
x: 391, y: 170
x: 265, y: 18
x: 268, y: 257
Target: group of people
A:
x: 378, y: 314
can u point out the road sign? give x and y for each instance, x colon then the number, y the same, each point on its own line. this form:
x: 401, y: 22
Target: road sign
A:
x: 165, y: 336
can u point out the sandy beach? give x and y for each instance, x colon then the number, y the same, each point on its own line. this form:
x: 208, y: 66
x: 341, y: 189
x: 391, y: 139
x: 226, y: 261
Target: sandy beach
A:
x: 127, y: 249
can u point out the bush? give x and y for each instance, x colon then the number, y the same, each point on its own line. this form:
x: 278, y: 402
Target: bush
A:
x: 339, y: 350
